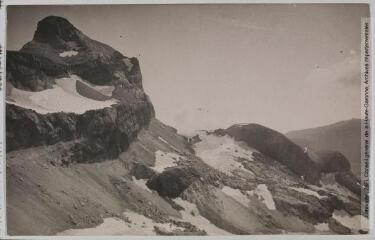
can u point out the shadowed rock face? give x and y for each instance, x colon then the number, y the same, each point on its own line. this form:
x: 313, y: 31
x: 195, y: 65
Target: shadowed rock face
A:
x: 103, y: 133
x: 88, y: 92
x: 333, y: 161
x: 56, y: 30
x: 278, y: 147
x: 26, y: 128
x: 350, y: 181
x: 95, y: 62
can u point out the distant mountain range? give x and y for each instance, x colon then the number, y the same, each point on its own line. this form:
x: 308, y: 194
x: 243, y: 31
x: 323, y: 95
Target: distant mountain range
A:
x: 344, y: 137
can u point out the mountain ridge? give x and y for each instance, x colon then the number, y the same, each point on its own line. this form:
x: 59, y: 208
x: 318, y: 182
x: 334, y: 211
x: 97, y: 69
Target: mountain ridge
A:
x: 343, y: 136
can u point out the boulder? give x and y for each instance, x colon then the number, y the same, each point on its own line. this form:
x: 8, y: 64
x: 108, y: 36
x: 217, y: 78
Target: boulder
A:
x: 172, y: 182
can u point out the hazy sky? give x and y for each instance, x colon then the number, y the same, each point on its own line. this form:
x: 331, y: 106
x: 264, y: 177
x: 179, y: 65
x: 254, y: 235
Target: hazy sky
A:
x: 208, y: 66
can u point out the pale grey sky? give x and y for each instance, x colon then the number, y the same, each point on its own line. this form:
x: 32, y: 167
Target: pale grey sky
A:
x: 208, y: 66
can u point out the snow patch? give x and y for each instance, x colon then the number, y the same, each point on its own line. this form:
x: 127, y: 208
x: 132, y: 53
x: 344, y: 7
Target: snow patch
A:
x: 70, y: 53
x: 222, y: 153
x: 357, y: 222
x: 164, y: 160
x: 264, y: 195
x: 237, y: 195
x: 141, y: 183
x: 191, y: 214
x: 307, y: 191
x: 137, y: 225
x: 63, y: 97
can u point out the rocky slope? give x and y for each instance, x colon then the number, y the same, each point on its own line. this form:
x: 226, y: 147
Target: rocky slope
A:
x: 277, y: 146
x: 104, y: 165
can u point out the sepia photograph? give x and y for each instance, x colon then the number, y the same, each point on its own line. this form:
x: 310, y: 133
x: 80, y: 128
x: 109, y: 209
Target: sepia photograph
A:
x: 187, y: 119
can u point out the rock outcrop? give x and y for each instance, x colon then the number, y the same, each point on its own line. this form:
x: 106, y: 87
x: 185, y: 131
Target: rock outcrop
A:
x: 332, y: 161
x: 96, y: 62
x: 102, y: 133
x: 99, y: 133
x: 172, y: 182
x: 278, y: 147
x: 350, y: 181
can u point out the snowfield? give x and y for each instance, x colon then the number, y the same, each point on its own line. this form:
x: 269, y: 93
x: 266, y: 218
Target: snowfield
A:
x: 137, y: 225
x: 164, y: 160
x: 63, y: 97
x: 222, y: 153
x: 70, y: 53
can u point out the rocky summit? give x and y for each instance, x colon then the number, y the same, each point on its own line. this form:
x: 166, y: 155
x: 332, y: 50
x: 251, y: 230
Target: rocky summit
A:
x: 87, y: 156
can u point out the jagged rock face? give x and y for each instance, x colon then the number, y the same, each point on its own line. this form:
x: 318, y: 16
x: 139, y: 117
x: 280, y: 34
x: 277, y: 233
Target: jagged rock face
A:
x: 58, y: 50
x: 333, y: 161
x: 278, y: 147
x: 106, y: 132
x: 26, y: 128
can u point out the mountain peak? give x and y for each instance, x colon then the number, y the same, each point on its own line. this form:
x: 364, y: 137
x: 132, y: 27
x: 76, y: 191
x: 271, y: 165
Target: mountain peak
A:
x: 53, y: 29
x: 58, y: 40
